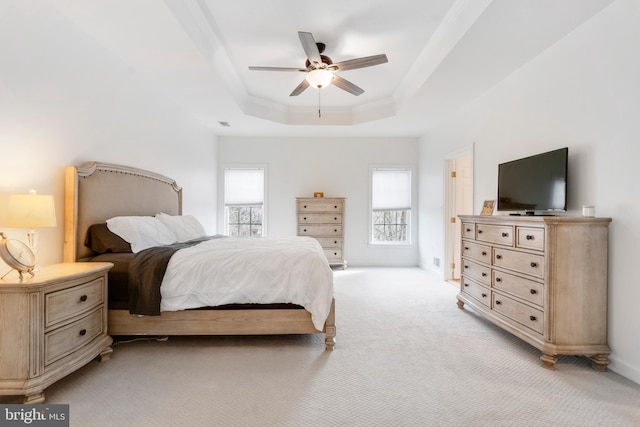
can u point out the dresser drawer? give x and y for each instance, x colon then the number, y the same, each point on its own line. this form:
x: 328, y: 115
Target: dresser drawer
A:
x: 477, y: 291
x: 481, y: 273
x: 320, y: 205
x: 518, y: 286
x: 530, y: 238
x: 475, y: 251
x: 519, y: 261
x: 528, y: 316
x: 67, y: 303
x: 333, y: 254
x: 67, y: 339
x: 319, y: 230
x: 320, y: 218
x: 500, y: 234
x: 468, y: 230
x: 330, y: 242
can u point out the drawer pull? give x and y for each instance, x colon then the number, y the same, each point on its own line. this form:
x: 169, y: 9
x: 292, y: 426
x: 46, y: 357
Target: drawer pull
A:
x: 335, y: 218
x: 466, y: 266
x: 498, y: 279
x: 529, y: 237
x: 335, y: 242
x: 533, y: 265
x: 468, y: 230
x: 479, y: 231
x: 466, y: 285
x: 305, y: 218
x: 505, y: 234
x: 83, y: 332
x: 484, y: 295
x: 484, y: 253
x: 305, y: 230
x: 498, y: 302
x: 533, y: 291
x: 484, y: 274
x: 305, y: 206
x: 466, y: 248
x: 335, y: 230
x: 335, y: 207
x: 498, y: 256
x: 83, y: 298
x: 532, y: 318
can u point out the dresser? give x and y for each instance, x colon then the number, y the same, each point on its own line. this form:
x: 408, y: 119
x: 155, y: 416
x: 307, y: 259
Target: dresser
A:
x: 51, y: 325
x: 541, y: 278
x: 323, y: 219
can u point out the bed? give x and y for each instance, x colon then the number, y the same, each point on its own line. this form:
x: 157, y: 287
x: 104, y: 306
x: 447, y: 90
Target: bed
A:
x: 96, y: 192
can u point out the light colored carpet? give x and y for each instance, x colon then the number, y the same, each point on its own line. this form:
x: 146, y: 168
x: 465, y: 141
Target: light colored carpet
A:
x: 405, y: 356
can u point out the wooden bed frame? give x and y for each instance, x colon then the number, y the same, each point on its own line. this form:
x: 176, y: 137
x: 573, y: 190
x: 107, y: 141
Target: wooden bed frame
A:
x: 95, y: 192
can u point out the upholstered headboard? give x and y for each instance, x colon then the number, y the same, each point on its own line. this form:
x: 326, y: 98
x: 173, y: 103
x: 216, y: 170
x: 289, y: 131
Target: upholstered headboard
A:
x: 95, y: 192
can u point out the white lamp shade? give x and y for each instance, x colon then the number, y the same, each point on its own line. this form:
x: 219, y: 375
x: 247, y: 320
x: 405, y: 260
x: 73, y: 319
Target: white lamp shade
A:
x: 319, y: 78
x: 31, y: 211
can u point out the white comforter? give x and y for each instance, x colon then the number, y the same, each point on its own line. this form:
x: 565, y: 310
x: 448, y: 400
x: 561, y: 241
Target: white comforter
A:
x: 244, y: 271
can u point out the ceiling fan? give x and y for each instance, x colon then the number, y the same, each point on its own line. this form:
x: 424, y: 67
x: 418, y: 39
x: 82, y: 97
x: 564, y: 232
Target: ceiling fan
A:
x: 321, y: 70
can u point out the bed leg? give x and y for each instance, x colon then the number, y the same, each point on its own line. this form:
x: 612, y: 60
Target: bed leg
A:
x: 330, y: 328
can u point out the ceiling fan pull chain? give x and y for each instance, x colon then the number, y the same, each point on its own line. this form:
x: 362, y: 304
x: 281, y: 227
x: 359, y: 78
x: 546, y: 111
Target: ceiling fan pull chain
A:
x: 319, y: 115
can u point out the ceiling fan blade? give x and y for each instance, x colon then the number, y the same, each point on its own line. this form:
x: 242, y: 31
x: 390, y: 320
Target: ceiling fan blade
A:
x: 300, y: 88
x: 277, y: 69
x: 367, y: 61
x: 310, y: 47
x: 346, y: 85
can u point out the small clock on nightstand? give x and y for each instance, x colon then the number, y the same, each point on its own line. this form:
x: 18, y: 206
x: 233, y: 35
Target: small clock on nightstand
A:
x: 17, y: 255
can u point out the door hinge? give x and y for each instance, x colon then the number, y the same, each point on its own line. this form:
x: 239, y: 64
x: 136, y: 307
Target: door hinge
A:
x: 453, y: 220
x: 453, y: 265
x: 453, y: 174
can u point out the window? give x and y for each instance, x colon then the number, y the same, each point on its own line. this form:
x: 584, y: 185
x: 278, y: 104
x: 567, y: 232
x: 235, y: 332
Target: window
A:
x: 244, y: 202
x: 391, y: 205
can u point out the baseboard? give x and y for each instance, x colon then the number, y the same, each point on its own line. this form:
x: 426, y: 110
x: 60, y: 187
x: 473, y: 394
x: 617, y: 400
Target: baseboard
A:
x: 626, y: 370
x: 382, y: 264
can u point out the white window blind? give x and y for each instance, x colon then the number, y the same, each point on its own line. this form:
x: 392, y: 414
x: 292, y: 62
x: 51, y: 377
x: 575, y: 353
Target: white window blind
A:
x: 243, y: 187
x: 391, y: 189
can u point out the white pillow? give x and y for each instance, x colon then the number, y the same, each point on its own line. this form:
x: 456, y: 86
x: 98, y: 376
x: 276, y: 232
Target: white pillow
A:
x: 185, y: 227
x: 141, y: 232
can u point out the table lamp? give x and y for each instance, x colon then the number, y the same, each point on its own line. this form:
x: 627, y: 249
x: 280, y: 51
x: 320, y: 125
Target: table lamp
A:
x: 31, y: 211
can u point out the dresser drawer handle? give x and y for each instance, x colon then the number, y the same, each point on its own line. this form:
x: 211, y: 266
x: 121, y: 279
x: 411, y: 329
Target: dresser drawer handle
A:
x: 466, y: 285
x: 335, y: 230
x: 498, y: 256
x: 479, y: 231
x: 498, y: 279
x: 468, y: 230
x: 484, y: 253
x: 83, y: 298
x: 83, y: 332
x: 533, y: 291
x: 305, y: 218
x: 484, y: 295
x: 335, y: 207
x: 466, y: 266
x: 505, y: 234
x: 530, y: 237
x: 335, y: 242
x: 335, y: 218
x: 533, y: 265
x: 466, y: 248
x: 532, y: 318
x: 305, y: 206
x: 498, y: 302
x: 484, y: 274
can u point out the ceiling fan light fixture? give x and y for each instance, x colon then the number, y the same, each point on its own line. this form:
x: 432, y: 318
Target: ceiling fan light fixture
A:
x: 319, y: 78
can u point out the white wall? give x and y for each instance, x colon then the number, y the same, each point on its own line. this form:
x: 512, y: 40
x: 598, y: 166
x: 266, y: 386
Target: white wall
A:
x: 65, y: 100
x: 583, y: 93
x: 298, y: 167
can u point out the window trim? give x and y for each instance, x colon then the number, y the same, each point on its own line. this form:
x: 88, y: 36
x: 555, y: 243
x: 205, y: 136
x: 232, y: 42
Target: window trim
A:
x: 410, y: 221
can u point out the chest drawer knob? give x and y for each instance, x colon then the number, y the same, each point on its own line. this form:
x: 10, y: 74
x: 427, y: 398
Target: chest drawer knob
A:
x: 305, y: 218
x: 484, y: 253
x: 533, y: 291
x: 484, y: 295
x: 498, y: 256
x: 468, y: 230
x: 498, y: 279
x: 533, y: 265
x: 532, y: 318
x: 466, y: 285
x: 498, y: 302
x: 479, y: 231
x: 83, y: 332
x: 505, y: 234
x: 83, y: 298
x: 484, y: 274
x: 530, y: 237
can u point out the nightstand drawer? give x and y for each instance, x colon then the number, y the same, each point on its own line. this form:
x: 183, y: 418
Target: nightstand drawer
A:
x: 67, y: 303
x: 67, y: 339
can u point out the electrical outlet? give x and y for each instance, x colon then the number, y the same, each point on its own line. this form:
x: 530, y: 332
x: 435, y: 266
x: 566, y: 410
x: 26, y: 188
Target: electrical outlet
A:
x: 436, y: 261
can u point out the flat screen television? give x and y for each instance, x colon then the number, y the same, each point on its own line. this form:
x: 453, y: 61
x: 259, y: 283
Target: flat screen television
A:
x: 534, y: 184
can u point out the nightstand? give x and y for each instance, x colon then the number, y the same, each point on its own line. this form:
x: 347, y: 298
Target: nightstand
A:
x: 51, y: 325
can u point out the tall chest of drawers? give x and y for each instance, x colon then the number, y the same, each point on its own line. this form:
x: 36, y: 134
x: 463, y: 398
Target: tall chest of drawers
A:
x: 51, y: 325
x: 323, y: 219
x: 543, y: 279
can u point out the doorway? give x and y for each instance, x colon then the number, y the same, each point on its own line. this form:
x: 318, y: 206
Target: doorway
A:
x: 458, y: 201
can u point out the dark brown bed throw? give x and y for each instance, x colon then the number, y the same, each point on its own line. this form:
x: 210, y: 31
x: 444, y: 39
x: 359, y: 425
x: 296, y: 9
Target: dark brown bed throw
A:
x: 146, y: 271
